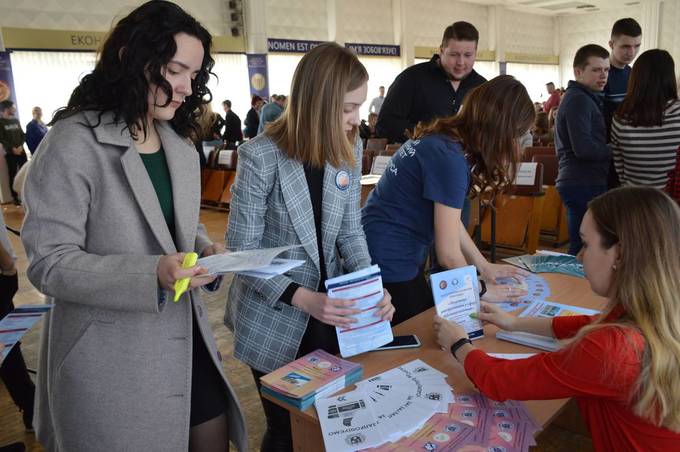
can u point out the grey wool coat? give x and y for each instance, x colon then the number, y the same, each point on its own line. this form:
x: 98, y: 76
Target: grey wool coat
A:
x: 115, y: 360
x: 271, y: 207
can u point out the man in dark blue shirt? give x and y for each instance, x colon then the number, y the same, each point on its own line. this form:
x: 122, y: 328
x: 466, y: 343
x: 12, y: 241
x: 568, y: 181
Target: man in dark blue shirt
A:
x: 581, y: 139
x: 625, y: 43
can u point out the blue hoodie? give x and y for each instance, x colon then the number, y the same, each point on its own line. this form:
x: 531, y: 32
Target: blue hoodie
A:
x: 581, y: 139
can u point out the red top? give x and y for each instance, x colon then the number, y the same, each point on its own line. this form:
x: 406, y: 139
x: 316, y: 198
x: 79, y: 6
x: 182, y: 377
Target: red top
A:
x: 599, y: 371
x: 553, y: 101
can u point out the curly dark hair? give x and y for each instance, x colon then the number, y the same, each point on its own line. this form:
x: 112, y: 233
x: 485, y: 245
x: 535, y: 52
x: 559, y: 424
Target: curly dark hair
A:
x: 134, y: 56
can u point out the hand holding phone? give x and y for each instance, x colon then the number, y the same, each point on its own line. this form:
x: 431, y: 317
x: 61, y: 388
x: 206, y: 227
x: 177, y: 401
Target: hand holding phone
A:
x: 408, y: 341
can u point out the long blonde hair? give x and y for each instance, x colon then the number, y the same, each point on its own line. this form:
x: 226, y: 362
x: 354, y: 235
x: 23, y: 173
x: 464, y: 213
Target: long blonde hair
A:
x: 310, y: 129
x: 645, y: 222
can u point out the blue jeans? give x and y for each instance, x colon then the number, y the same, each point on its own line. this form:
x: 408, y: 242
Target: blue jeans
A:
x: 576, y: 200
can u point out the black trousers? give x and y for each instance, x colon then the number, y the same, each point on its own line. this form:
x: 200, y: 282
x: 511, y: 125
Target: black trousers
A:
x: 409, y: 298
x: 13, y: 371
x: 14, y: 162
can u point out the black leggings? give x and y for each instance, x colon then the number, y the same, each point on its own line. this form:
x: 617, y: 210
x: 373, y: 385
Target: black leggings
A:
x: 409, y: 298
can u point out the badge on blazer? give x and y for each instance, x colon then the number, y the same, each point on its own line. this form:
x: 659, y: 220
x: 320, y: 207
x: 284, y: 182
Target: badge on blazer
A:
x: 342, y: 180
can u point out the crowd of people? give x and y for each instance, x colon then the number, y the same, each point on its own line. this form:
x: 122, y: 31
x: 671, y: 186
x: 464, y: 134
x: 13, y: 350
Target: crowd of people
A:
x: 112, y: 207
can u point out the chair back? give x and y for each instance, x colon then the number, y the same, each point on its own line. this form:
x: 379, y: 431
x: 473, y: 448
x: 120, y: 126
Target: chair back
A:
x: 376, y: 144
x: 529, y: 152
x: 550, y: 166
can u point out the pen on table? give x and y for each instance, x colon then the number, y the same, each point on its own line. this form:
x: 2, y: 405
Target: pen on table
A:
x: 181, y: 285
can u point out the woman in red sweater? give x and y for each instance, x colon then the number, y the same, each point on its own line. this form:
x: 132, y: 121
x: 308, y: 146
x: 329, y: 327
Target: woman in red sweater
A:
x: 623, y: 366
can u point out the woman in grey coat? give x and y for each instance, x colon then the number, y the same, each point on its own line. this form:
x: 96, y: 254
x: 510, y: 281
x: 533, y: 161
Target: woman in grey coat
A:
x: 112, y: 206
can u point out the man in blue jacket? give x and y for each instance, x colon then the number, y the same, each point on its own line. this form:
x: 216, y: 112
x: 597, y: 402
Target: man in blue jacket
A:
x: 581, y: 138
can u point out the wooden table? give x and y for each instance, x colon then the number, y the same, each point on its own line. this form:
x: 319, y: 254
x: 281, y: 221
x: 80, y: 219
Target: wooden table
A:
x: 564, y: 289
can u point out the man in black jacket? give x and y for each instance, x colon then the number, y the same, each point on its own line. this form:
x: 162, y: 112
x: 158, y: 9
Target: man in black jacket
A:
x: 433, y: 89
x: 232, y: 124
x: 581, y: 138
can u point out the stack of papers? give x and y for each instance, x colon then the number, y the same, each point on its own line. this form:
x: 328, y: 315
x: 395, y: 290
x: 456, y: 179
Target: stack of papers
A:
x: 456, y: 296
x: 17, y: 323
x: 547, y: 309
x: 257, y: 263
x: 384, y: 408
x: 472, y: 422
x: 366, y: 289
x: 318, y: 374
x: 548, y: 263
x: 536, y: 286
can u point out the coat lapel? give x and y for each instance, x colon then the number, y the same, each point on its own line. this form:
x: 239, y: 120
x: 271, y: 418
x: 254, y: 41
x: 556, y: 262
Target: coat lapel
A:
x: 299, y: 205
x: 107, y: 131
x: 184, y: 174
x: 332, y: 208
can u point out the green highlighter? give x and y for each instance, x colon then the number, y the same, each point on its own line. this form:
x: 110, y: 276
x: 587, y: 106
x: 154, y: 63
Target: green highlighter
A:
x: 473, y: 315
x: 181, y: 285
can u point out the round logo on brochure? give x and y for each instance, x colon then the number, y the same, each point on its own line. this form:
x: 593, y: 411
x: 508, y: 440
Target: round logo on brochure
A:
x: 342, y: 180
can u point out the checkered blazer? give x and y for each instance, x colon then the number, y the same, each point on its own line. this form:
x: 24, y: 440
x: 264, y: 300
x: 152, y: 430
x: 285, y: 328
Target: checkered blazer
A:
x: 271, y: 207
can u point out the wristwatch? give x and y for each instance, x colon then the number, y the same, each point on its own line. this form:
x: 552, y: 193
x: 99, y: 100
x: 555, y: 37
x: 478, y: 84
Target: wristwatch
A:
x: 458, y: 344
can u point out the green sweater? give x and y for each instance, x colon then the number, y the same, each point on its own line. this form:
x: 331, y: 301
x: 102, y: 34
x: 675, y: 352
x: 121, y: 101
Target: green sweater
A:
x: 157, y: 167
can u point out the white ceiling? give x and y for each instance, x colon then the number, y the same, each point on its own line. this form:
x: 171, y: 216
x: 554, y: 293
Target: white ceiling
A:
x: 558, y: 7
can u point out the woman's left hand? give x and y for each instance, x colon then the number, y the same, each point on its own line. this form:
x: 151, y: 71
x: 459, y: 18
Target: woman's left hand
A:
x: 447, y: 332
x: 215, y: 248
x: 498, y: 293
x: 490, y: 272
x: 385, y: 307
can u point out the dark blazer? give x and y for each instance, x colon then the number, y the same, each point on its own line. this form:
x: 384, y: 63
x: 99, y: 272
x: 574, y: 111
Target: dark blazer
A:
x: 232, y: 128
x: 252, y: 122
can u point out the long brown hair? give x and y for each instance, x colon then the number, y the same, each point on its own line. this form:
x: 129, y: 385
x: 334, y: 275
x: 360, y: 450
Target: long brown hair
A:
x: 646, y: 284
x: 310, y: 129
x: 493, y: 117
x: 651, y: 88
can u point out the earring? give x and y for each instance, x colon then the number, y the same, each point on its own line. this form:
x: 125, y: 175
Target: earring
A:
x: 614, y: 267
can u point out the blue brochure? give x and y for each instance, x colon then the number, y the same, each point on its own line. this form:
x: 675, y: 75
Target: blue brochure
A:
x: 456, y: 296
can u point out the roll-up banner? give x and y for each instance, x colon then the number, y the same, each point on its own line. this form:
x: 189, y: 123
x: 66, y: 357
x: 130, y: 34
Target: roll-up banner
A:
x: 257, y: 75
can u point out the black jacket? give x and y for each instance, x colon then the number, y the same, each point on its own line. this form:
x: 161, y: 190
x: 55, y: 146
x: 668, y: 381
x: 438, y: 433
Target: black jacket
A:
x: 232, y: 128
x: 421, y: 93
x: 252, y: 123
x: 581, y: 139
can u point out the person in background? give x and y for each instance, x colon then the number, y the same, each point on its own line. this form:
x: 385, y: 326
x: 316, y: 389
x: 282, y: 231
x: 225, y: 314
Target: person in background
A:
x: 554, y: 99
x: 271, y: 111
x: 417, y: 202
x: 376, y: 103
x: 543, y: 134
x: 622, y: 366
x: 232, y: 125
x: 434, y: 89
x: 252, y: 121
x: 298, y: 184
x: 12, y: 139
x: 645, y: 133
x: 367, y: 129
x: 13, y: 371
x: 112, y: 206
x: 581, y: 138
x: 35, y: 131
x: 626, y: 38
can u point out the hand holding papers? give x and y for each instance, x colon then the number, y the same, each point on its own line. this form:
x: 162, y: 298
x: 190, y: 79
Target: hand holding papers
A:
x: 258, y: 263
x: 368, y: 332
x: 456, y: 296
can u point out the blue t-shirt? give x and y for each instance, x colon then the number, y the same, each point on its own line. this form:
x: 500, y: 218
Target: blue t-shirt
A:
x: 398, y: 217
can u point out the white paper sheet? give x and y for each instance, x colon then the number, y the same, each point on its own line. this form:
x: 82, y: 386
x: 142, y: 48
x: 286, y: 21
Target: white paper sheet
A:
x: 526, y: 173
x: 241, y: 261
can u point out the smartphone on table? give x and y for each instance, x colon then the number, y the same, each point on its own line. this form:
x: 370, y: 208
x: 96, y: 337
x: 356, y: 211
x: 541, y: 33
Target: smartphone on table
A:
x: 408, y: 341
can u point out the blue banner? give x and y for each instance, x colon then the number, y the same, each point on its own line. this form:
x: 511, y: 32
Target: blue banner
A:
x: 374, y: 49
x: 291, y: 45
x: 257, y: 75
x: 6, y: 81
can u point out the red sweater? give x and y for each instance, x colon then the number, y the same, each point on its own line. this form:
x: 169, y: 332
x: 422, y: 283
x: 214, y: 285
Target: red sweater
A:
x: 599, y: 371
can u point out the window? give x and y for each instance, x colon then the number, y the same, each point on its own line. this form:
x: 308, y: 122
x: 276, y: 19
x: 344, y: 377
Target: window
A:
x: 534, y: 77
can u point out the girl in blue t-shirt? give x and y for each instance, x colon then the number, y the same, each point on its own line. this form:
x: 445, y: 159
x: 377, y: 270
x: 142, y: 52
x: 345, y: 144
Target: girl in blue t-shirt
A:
x: 418, y: 201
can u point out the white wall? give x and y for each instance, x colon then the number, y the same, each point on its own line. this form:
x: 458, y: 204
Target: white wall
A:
x: 669, y: 30
x: 593, y: 28
x: 296, y: 19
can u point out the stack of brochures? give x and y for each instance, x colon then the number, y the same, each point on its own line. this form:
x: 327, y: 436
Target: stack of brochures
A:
x: 386, y: 407
x: 318, y: 374
x: 549, y: 262
x: 547, y: 309
x: 473, y: 422
x: 369, y: 331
